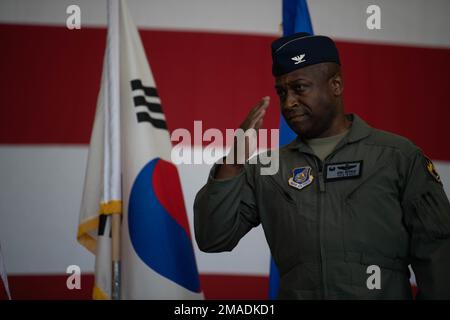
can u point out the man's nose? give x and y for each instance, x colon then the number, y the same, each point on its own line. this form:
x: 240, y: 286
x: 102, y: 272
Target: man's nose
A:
x: 291, y: 100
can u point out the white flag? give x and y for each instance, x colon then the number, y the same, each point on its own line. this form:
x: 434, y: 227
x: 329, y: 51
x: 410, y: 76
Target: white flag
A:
x: 158, y: 260
x: 102, y: 195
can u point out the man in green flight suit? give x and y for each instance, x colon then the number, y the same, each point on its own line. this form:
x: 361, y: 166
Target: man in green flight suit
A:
x: 350, y: 206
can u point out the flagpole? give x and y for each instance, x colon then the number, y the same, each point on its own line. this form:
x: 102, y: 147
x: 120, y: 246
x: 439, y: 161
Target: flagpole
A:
x: 115, y: 256
x: 3, y: 275
x: 113, y: 51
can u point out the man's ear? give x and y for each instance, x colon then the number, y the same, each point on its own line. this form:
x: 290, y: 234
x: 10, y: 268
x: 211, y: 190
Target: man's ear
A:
x: 337, y: 84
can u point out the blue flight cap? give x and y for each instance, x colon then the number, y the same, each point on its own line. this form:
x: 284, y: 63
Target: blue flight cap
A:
x: 300, y: 50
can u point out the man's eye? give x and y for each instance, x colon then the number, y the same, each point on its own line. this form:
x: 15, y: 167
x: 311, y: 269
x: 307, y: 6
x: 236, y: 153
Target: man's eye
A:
x: 299, y: 88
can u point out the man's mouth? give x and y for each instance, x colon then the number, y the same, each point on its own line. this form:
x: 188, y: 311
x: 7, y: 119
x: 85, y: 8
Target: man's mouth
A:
x: 298, y: 116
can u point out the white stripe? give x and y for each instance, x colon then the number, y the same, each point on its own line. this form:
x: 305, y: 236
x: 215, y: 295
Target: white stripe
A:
x: 409, y: 22
x: 249, y: 16
x: 40, y: 195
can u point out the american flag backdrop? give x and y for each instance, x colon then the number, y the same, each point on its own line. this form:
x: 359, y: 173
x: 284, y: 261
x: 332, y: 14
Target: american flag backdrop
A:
x: 211, y: 62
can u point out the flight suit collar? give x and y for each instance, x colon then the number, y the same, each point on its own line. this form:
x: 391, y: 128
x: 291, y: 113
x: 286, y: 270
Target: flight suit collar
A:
x: 358, y: 131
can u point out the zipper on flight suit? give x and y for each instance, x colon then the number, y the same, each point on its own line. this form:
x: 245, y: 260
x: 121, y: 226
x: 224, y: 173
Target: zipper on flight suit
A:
x: 321, y: 198
x: 323, y: 266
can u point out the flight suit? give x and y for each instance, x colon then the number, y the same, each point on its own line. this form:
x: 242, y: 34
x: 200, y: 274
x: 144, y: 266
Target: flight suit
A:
x: 375, y: 202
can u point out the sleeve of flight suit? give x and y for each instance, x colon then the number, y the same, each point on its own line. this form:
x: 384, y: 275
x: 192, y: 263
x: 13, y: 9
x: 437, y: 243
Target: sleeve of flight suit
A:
x: 224, y: 211
x: 427, y: 218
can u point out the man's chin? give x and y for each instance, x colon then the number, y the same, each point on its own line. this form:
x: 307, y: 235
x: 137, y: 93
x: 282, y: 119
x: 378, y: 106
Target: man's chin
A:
x: 299, y: 130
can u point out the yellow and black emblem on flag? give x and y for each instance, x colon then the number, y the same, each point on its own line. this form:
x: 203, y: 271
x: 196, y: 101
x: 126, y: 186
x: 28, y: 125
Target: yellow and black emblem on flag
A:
x: 432, y: 170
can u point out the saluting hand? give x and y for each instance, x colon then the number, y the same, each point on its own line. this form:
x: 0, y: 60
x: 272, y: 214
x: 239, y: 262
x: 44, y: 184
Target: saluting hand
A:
x: 245, y: 141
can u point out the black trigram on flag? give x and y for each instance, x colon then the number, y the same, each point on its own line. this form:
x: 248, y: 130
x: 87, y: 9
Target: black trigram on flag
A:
x: 147, y: 104
x: 104, y: 225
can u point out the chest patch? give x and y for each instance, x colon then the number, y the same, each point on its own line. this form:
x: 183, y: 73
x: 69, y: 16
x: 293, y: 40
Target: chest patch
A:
x: 301, y: 177
x: 344, y: 170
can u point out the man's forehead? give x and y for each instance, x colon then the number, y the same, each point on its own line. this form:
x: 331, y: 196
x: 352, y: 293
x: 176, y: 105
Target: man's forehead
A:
x: 307, y: 73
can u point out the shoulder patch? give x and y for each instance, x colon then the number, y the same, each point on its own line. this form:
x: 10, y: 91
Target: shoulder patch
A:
x: 432, y: 169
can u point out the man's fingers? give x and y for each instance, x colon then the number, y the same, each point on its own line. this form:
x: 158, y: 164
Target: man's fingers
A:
x: 258, y: 117
x: 265, y: 102
x: 239, y: 152
x: 259, y: 123
x: 262, y: 104
x: 257, y: 112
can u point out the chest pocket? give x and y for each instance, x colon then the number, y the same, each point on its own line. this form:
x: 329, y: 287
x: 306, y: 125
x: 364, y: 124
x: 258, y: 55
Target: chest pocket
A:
x: 288, y: 222
x: 283, y: 192
x: 372, y: 217
x: 376, y: 177
x: 278, y: 190
x: 286, y: 205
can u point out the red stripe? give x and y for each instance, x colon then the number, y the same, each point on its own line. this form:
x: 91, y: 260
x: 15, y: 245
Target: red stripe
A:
x: 3, y: 292
x: 215, y: 287
x: 53, y: 287
x: 51, y: 77
x: 233, y: 287
x: 49, y: 83
x: 401, y: 89
x: 48, y: 287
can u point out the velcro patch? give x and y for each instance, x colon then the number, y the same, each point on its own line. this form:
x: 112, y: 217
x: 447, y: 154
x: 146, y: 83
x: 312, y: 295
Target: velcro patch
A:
x: 344, y: 170
x: 432, y: 170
